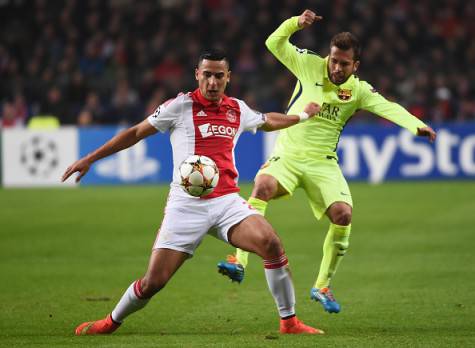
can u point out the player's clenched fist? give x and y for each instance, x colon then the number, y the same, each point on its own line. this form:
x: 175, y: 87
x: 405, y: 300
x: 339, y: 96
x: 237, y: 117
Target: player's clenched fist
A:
x: 312, y: 109
x: 307, y: 18
x: 427, y: 132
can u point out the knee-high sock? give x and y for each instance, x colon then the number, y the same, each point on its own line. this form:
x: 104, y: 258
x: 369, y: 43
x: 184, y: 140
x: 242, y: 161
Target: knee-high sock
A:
x: 260, y: 206
x: 334, y: 248
x: 131, y: 301
x: 280, y: 285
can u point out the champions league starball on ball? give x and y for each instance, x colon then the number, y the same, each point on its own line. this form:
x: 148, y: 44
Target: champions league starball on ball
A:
x: 199, y: 175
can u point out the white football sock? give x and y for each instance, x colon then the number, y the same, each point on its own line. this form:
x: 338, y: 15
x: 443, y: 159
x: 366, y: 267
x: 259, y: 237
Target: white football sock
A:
x: 131, y: 301
x: 280, y: 285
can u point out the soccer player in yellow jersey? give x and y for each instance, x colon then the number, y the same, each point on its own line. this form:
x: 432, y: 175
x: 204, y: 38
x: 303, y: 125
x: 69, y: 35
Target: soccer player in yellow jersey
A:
x: 305, y: 154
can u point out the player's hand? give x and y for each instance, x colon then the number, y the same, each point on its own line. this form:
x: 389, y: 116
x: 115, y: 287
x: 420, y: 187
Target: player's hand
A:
x: 312, y: 109
x: 427, y: 132
x: 307, y: 18
x: 82, y: 166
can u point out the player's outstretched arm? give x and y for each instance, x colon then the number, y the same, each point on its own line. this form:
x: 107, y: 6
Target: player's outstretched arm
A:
x: 121, y: 141
x: 427, y: 132
x: 291, y: 56
x: 276, y: 121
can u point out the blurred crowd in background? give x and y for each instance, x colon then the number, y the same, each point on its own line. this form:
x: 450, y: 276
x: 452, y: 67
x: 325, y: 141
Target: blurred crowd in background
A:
x: 97, y: 62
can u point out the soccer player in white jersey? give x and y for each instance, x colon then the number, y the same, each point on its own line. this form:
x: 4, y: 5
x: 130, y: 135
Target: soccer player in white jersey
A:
x: 305, y: 155
x: 204, y: 122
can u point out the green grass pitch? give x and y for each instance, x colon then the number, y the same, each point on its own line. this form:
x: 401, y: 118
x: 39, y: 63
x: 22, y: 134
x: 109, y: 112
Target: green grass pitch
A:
x: 408, y: 280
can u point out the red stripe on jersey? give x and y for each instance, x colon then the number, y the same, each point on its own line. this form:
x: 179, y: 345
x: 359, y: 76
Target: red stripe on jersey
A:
x: 216, y: 125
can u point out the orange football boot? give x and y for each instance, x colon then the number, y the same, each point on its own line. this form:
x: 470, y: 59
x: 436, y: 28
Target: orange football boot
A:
x: 295, y: 326
x: 98, y: 327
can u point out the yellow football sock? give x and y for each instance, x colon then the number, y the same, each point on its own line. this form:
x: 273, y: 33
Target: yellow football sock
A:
x: 241, y: 257
x: 260, y: 206
x: 334, y: 248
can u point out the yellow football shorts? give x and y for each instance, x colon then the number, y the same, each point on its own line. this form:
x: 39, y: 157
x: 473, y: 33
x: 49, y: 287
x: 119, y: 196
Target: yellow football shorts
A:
x: 321, y: 179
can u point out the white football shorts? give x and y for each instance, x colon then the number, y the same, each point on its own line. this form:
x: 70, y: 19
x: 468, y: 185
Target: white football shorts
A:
x: 187, y: 219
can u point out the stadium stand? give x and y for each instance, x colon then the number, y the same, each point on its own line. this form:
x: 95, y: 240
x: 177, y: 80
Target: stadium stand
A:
x: 112, y: 62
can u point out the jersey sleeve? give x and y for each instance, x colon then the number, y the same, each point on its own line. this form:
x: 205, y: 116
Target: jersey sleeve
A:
x: 166, y: 115
x: 374, y: 102
x: 250, y: 119
x: 297, y: 60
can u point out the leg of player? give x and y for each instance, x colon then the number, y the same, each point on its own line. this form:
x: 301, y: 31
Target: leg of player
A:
x: 266, y: 187
x: 334, y: 248
x: 163, y: 264
x: 255, y: 234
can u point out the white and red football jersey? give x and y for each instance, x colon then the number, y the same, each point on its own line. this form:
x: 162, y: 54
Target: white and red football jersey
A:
x: 199, y: 126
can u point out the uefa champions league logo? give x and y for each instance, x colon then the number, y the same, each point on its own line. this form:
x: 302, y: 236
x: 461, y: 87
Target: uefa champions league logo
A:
x: 39, y: 156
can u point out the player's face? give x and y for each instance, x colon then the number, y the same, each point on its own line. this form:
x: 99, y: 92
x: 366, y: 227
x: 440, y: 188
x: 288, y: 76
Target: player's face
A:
x: 212, y: 77
x: 341, y: 65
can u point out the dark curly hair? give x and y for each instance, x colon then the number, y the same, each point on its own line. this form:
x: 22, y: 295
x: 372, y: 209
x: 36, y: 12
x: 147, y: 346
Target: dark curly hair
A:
x: 345, y: 41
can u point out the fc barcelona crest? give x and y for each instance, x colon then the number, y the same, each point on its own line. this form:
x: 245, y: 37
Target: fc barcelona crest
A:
x: 344, y: 94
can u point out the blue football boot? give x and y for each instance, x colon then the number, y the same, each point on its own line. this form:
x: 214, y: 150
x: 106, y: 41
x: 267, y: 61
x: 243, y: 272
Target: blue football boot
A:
x: 325, y: 297
x: 232, y: 269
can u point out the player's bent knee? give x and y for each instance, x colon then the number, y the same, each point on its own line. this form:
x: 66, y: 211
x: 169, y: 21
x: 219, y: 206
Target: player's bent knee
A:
x: 340, y: 214
x: 343, y: 218
x: 270, y: 246
x: 263, y: 192
x: 265, y: 188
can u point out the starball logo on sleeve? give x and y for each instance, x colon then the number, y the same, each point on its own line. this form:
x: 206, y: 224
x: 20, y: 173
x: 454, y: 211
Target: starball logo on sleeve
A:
x: 157, y: 112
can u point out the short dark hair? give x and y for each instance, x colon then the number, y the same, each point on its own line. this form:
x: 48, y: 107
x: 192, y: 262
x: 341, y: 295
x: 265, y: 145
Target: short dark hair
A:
x: 345, y: 41
x: 214, y: 54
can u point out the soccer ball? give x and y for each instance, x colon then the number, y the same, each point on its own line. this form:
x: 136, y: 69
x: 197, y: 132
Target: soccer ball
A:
x: 199, y: 175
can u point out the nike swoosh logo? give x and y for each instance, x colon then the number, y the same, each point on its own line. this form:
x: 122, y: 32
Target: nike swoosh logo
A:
x: 318, y: 84
x: 344, y: 194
